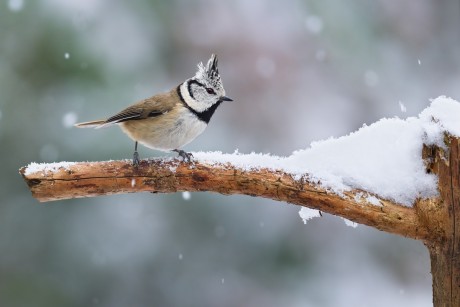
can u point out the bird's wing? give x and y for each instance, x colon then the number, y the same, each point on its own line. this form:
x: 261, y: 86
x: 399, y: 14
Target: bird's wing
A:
x: 150, y: 107
x: 126, y: 114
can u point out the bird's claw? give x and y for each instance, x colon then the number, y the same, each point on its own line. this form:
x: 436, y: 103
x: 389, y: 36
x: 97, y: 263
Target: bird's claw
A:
x: 185, y: 155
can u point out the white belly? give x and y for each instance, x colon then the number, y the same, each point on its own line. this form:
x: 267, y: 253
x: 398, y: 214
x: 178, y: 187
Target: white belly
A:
x: 165, y: 132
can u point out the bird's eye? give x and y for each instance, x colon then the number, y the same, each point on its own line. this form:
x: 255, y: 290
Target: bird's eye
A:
x: 210, y: 91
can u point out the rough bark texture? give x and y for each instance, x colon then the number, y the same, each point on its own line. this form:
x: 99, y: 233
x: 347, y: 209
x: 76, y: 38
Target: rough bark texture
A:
x: 444, y: 224
x: 89, y: 179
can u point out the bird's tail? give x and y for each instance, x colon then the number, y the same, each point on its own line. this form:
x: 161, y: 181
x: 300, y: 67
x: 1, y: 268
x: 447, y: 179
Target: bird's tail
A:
x: 92, y: 124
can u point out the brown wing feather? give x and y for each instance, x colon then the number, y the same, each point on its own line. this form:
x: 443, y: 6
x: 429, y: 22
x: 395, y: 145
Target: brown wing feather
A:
x: 150, y: 107
x: 127, y: 114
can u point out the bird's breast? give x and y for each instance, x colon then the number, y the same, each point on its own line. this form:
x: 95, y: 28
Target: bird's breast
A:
x: 166, y: 132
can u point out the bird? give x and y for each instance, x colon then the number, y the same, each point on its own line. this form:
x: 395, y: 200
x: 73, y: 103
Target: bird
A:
x: 168, y: 121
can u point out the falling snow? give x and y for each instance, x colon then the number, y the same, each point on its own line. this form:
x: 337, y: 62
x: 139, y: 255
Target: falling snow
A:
x: 402, y: 107
x: 186, y: 195
x: 314, y: 24
x: 15, y: 5
x: 69, y: 119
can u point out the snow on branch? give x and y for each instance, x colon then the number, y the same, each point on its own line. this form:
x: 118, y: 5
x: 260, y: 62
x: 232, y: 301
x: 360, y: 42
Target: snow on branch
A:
x: 375, y: 176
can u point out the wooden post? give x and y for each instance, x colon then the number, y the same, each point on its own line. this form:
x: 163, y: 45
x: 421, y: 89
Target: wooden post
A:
x: 443, y: 221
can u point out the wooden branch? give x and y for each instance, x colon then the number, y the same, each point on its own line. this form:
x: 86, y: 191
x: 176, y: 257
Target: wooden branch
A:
x: 435, y: 221
x: 443, y: 221
x: 88, y: 179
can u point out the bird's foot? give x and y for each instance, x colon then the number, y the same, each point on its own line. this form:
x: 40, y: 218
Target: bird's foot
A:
x: 136, y: 159
x: 185, y: 155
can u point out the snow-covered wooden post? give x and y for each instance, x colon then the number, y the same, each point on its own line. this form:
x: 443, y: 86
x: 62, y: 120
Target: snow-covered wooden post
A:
x: 442, y: 219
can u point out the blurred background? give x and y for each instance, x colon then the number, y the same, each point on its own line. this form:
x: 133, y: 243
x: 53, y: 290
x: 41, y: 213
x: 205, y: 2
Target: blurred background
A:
x: 298, y: 71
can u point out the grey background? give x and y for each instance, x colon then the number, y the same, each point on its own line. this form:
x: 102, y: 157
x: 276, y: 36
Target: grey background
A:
x: 298, y: 71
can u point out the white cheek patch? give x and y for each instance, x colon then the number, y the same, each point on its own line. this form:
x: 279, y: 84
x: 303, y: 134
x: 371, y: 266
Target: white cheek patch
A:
x: 192, y: 103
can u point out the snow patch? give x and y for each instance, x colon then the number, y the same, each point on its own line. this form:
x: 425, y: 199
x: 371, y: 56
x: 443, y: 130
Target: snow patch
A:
x: 373, y: 200
x: 350, y: 223
x: 307, y: 214
x: 384, y: 158
x: 442, y: 116
x: 46, y: 167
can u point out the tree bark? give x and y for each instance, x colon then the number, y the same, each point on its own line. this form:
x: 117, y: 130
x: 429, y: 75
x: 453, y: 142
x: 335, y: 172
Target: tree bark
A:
x: 444, y: 224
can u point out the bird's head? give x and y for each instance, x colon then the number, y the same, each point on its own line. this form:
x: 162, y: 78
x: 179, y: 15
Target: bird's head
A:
x: 205, y: 89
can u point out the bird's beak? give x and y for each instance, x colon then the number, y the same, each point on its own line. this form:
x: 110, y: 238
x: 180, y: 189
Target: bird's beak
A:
x: 225, y: 98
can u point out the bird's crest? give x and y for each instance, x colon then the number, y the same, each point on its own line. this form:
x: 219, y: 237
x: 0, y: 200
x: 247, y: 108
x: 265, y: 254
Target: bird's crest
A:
x: 210, y: 72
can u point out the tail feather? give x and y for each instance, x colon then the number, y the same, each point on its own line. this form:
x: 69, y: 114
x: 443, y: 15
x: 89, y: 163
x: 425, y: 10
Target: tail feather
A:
x: 92, y: 124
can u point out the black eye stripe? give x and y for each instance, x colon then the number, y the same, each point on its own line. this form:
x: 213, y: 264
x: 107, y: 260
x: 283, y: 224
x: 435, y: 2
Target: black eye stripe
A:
x: 189, y: 87
x: 196, y: 82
